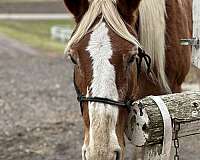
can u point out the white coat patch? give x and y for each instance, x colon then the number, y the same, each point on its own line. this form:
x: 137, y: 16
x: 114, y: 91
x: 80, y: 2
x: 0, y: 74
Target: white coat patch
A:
x: 103, y: 84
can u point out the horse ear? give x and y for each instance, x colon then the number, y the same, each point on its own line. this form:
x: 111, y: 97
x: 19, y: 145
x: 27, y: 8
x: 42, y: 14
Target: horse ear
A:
x: 77, y: 8
x: 127, y: 8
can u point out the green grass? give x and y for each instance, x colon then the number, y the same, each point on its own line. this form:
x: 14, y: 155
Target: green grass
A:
x: 35, y: 33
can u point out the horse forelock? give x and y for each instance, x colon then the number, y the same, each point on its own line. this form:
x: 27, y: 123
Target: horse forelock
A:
x: 90, y: 1
x: 108, y: 11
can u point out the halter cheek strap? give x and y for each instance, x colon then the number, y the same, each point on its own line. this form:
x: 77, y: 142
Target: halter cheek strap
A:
x: 143, y: 56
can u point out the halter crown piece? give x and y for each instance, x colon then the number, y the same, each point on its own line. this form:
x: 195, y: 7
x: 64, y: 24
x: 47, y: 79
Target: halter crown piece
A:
x: 108, y: 10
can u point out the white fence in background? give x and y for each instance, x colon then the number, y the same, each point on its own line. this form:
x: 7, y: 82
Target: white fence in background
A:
x: 26, y: 16
x: 61, y: 33
x: 196, y: 33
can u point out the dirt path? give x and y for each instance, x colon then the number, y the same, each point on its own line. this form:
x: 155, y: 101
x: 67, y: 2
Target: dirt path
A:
x: 39, y: 116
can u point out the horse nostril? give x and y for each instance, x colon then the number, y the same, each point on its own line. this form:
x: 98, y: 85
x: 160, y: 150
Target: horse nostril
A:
x: 84, y: 155
x: 117, y: 155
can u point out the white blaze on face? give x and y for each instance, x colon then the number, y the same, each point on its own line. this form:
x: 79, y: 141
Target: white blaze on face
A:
x: 103, y: 117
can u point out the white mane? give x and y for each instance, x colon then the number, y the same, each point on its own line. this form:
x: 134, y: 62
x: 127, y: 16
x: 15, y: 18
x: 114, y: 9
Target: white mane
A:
x: 152, y: 35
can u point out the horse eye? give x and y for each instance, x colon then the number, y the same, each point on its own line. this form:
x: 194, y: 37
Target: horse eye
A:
x: 73, y: 60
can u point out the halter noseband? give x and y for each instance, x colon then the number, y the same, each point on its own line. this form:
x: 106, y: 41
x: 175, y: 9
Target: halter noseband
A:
x: 124, y: 104
x: 81, y: 98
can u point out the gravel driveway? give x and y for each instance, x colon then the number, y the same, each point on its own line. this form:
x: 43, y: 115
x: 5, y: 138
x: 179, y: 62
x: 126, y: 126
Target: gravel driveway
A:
x: 39, y: 116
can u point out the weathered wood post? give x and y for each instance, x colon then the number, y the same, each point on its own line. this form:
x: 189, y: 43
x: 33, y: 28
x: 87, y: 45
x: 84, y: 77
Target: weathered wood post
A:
x: 145, y: 126
x: 196, y: 33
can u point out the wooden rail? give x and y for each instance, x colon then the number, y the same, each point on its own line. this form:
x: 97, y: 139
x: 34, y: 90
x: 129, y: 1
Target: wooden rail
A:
x: 145, y: 126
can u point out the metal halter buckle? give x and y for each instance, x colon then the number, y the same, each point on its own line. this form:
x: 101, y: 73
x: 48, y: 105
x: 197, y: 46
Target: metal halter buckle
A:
x: 195, y: 42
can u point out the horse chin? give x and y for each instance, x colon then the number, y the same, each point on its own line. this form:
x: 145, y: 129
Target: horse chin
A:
x: 110, y: 153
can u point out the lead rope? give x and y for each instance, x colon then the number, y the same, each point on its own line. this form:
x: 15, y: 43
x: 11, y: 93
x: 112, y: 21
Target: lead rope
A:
x: 167, y: 139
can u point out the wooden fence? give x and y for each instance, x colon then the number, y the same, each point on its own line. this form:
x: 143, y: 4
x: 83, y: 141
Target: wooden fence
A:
x: 146, y: 126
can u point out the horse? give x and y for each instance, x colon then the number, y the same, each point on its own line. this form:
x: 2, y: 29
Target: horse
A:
x: 123, y: 50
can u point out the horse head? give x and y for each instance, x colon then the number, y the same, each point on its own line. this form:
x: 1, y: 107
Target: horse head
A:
x: 104, y: 50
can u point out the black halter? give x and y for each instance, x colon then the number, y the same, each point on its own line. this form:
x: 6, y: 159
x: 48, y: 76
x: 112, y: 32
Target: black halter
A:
x: 124, y: 104
x: 81, y: 98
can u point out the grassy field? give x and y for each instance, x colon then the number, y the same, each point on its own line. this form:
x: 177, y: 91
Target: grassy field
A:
x: 34, y: 33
